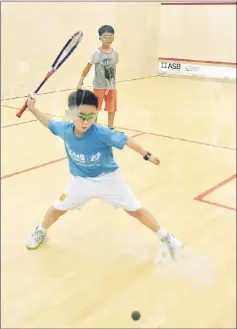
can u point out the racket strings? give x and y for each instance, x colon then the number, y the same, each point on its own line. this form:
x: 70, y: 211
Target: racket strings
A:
x: 68, y: 49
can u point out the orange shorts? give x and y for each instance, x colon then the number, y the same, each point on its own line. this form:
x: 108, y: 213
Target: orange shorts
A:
x: 110, y: 99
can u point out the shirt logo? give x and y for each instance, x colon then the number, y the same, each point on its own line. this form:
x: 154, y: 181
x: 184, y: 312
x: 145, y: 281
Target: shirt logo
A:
x: 82, y: 159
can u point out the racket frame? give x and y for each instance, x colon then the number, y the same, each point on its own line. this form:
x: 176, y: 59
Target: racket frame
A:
x: 53, y: 69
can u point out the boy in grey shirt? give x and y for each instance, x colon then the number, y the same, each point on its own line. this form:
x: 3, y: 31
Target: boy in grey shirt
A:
x: 105, y: 59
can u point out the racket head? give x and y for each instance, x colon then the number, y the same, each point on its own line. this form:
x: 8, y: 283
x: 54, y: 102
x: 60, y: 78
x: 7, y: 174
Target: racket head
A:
x: 67, y: 50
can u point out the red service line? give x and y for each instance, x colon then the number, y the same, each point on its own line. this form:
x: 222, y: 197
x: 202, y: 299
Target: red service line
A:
x: 197, y: 3
x: 47, y: 163
x: 18, y: 123
x: 32, y: 168
x: 201, y: 196
x: 188, y: 60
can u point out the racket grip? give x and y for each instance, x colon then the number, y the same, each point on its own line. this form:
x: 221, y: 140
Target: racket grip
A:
x: 22, y: 110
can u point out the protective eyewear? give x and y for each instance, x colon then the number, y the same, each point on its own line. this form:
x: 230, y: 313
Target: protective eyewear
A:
x: 83, y: 117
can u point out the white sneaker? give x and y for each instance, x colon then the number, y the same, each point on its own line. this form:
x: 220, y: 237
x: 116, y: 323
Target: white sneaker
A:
x: 173, y: 244
x: 36, y: 238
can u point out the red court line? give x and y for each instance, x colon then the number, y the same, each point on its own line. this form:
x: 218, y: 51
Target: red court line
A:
x: 177, y: 138
x: 88, y: 86
x: 194, y: 61
x: 217, y: 204
x: 19, y: 123
x: 32, y: 168
x: 138, y: 131
x: 142, y: 132
x: 224, y: 182
x: 148, y: 133
x: 192, y: 141
x: 138, y: 134
x: 196, y: 3
x: 46, y: 164
x: 201, y: 196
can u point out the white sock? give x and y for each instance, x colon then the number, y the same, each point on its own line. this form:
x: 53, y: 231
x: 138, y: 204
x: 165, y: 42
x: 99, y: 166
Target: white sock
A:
x: 161, y: 233
x: 42, y: 229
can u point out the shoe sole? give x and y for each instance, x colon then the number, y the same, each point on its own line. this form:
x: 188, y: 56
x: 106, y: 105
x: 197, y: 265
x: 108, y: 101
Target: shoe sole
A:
x: 33, y: 248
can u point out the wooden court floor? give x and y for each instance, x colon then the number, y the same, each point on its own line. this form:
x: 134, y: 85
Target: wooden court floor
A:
x: 98, y: 265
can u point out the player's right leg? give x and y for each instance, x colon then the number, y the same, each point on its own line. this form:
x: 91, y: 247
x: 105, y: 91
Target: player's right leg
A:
x: 148, y: 219
x: 76, y: 194
x: 115, y: 191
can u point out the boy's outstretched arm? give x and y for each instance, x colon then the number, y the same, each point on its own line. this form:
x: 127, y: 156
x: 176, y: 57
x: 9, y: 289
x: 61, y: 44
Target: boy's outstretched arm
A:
x: 43, y: 118
x: 132, y: 144
x: 84, y: 74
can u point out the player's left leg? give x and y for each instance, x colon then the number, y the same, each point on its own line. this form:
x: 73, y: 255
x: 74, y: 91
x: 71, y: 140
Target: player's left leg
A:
x: 115, y: 191
x: 147, y: 219
x: 77, y: 193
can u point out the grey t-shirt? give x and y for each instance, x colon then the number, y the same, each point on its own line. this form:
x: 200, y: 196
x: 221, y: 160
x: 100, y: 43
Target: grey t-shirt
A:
x: 105, y: 69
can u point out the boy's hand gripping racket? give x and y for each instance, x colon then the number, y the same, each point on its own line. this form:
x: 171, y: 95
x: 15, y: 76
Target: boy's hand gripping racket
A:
x: 66, y: 51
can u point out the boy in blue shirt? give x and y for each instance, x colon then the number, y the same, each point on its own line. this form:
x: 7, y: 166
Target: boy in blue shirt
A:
x: 94, y: 173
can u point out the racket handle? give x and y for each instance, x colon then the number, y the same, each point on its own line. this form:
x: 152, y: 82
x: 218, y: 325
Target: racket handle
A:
x: 22, y: 110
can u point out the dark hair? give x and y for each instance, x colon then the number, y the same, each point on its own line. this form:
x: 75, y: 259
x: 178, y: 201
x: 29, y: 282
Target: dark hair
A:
x: 82, y: 97
x: 105, y: 28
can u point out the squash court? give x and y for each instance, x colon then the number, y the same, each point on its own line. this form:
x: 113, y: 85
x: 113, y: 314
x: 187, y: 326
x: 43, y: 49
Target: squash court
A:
x: 98, y: 265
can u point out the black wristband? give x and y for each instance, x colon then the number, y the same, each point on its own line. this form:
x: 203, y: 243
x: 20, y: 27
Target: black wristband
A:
x: 147, y: 156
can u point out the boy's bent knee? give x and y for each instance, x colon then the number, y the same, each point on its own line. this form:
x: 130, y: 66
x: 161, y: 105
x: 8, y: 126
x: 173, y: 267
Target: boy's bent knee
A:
x: 57, y: 212
x: 134, y: 213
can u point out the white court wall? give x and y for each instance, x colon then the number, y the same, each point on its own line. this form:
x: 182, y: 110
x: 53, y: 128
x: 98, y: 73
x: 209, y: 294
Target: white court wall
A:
x: 198, y: 32
x: 33, y: 33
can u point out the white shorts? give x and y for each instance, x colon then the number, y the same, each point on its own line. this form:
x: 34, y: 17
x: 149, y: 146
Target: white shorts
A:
x: 110, y: 188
